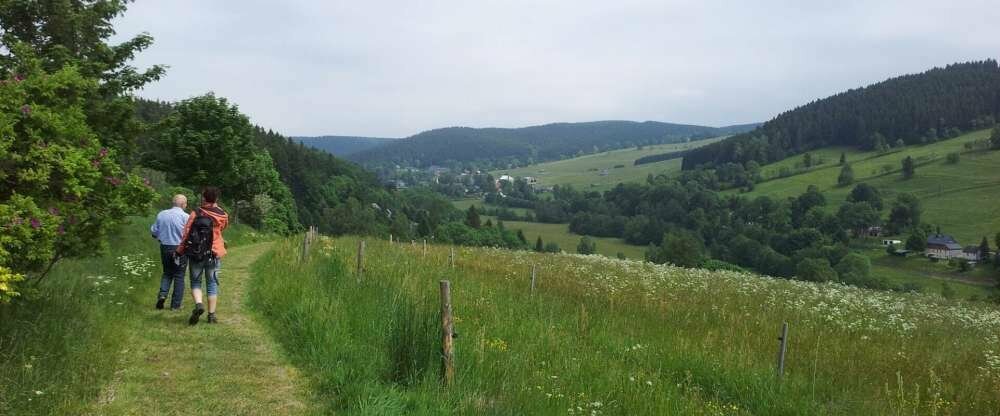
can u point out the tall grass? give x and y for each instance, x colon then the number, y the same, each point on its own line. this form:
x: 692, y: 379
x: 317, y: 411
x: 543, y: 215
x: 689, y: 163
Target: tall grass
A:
x: 604, y: 336
x: 61, y: 342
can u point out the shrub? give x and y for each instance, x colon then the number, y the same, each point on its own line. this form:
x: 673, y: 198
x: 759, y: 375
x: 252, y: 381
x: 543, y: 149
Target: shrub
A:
x: 952, y: 158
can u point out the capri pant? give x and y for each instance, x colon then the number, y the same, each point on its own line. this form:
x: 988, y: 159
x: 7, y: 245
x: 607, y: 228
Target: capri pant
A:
x: 209, y: 268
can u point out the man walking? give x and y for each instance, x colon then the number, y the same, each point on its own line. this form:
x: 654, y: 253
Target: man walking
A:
x: 203, y: 245
x: 169, y: 229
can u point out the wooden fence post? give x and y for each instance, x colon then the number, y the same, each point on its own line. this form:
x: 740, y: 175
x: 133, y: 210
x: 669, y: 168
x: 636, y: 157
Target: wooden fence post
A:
x: 451, y: 258
x: 425, y: 248
x: 305, y: 245
x: 783, y: 340
x: 361, y: 259
x: 447, y: 336
x: 534, y: 274
x: 390, y: 239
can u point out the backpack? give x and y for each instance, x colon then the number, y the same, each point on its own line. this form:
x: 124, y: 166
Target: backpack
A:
x: 198, y: 246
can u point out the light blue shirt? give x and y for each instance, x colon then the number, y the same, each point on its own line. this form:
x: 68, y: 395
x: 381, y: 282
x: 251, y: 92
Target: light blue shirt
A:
x: 169, y: 226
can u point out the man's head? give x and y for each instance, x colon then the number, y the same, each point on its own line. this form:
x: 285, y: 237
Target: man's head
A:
x: 210, y: 195
x: 180, y: 201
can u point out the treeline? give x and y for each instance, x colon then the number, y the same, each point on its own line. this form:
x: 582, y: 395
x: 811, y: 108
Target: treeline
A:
x: 660, y: 157
x: 489, y: 148
x: 684, y: 222
x: 959, y: 97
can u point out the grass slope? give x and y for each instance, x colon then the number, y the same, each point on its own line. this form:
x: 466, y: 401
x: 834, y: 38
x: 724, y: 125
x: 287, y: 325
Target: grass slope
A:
x: 958, y: 197
x: 560, y: 234
x: 584, y: 172
x: 602, y: 336
x: 63, y: 343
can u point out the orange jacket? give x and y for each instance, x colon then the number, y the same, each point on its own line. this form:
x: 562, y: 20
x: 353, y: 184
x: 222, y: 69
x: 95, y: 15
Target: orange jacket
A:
x: 221, y: 222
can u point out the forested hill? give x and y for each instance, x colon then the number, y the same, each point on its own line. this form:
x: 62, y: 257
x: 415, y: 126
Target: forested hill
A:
x: 909, y: 109
x: 343, y: 146
x: 502, y: 146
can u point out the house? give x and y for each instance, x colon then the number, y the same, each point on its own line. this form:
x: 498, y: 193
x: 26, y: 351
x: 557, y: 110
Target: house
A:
x: 888, y: 243
x: 874, y: 231
x: 943, y: 246
x: 531, y: 180
x: 604, y: 172
x: 970, y: 253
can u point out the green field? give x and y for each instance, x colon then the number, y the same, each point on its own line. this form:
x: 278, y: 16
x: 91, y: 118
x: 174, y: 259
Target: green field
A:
x: 559, y: 234
x: 584, y: 172
x: 960, y: 198
x: 602, y: 336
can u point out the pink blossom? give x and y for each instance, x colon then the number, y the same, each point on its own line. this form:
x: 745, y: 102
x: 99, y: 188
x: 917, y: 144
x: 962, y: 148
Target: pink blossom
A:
x: 35, y: 223
x: 26, y: 109
x: 95, y: 163
x: 61, y: 230
x: 19, y: 77
x: 146, y: 181
x: 54, y: 211
x: 103, y: 152
x: 114, y: 181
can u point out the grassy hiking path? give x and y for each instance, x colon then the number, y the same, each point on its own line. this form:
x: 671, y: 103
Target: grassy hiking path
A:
x: 234, y: 367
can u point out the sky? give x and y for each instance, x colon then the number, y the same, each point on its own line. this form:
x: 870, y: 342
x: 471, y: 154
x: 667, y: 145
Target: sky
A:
x: 396, y: 68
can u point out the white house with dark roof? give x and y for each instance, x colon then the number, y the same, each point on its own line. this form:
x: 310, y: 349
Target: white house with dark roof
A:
x: 943, y: 246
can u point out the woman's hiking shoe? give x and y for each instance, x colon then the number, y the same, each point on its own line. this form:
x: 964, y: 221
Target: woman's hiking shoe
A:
x: 159, y: 303
x: 196, y: 314
x: 212, y: 319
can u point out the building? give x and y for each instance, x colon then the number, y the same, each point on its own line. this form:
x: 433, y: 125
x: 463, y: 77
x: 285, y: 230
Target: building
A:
x: 888, y: 243
x: 970, y: 253
x: 943, y: 246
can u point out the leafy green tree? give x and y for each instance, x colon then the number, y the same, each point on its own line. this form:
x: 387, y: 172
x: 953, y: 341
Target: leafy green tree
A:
x: 984, y: 250
x: 815, y: 270
x: 472, y: 218
x: 77, y: 33
x: 62, y: 193
x: 539, y: 247
x: 995, y: 138
x: 846, y: 176
x: 952, y: 158
x: 843, y: 158
x: 521, y: 237
x: 866, y: 193
x: 207, y: 141
x: 586, y: 246
x: 905, y: 213
x: 909, y: 168
x: 854, y: 269
x: 858, y: 216
x: 917, y: 241
x: 679, y: 248
x: 552, y: 247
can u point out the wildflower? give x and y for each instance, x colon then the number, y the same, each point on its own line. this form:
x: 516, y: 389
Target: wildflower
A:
x: 35, y: 223
x: 18, y: 77
x: 103, y: 153
x: 54, y: 211
x: 61, y: 230
x: 26, y: 109
x: 649, y: 383
x: 39, y: 392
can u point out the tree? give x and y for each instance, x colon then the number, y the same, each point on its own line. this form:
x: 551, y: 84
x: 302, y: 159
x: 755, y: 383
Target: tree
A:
x: 946, y: 291
x: 843, y: 158
x: 552, y: 247
x: 815, y: 270
x: 472, y: 218
x: 207, y: 141
x: 62, y: 193
x: 858, y: 216
x: 905, y: 213
x: 586, y: 246
x: 995, y: 138
x: 489, y: 223
x: 952, y: 158
x: 807, y: 160
x: 854, y: 269
x: 984, y: 250
x: 521, y: 237
x: 539, y: 247
x: 679, y: 248
x: 866, y: 193
x: 65, y: 34
x: 909, y: 168
x: 846, y: 176
x: 917, y: 241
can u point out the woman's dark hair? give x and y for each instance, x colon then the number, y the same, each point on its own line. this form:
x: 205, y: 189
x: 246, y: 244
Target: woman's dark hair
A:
x: 210, y: 194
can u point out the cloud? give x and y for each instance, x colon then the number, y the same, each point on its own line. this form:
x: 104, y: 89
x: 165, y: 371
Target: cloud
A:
x: 385, y: 68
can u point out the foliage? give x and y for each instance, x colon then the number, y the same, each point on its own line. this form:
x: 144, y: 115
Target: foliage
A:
x: 846, y: 176
x: 961, y: 96
x: 586, y: 246
x: 75, y: 34
x: 909, y: 168
x: 952, y: 158
x: 866, y: 193
x: 815, y: 270
x: 472, y: 218
x: 905, y: 213
x: 207, y: 141
x: 917, y: 241
x: 678, y: 248
x: 61, y: 192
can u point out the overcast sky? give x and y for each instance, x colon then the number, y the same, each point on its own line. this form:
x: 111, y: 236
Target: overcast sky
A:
x: 393, y: 69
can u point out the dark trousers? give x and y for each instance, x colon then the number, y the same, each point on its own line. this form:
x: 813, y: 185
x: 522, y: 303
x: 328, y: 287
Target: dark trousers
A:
x: 172, y: 273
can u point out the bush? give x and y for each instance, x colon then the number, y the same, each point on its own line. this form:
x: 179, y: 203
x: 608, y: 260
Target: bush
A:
x: 551, y: 247
x: 952, y: 158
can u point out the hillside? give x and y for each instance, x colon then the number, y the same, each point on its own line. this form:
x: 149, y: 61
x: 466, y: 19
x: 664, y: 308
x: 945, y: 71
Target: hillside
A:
x: 342, y: 146
x: 910, y: 109
x: 503, y: 146
x: 601, y: 336
x: 587, y: 171
x: 958, y: 197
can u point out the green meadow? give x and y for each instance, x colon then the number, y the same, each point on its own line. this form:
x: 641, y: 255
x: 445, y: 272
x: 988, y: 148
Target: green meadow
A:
x: 604, y: 336
x: 584, y: 172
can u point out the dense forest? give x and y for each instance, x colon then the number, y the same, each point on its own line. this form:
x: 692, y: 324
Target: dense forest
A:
x: 502, y: 147
x: 909, y: 109
x: 342, y: 146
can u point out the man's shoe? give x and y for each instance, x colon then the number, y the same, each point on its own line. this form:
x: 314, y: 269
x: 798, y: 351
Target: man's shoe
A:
x: 212, y: 319
x: 196, y: 314
x: 159, y: 303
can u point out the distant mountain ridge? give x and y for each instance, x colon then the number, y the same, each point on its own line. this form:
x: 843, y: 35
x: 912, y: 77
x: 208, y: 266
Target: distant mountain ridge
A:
x: 499, y: 146
x: 342, y: 146
x: 908, y: 109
